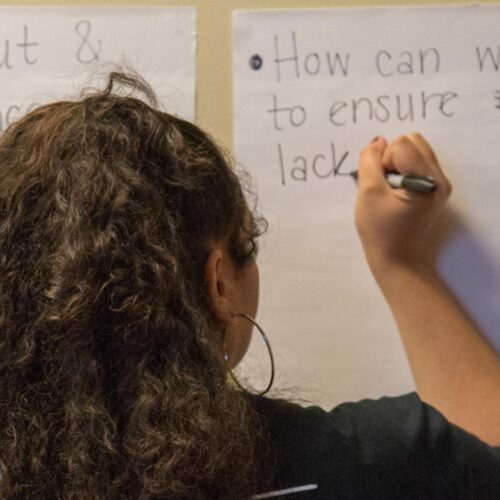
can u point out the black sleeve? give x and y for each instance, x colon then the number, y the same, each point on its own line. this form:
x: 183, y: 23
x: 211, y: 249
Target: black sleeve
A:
x: 409, y: 450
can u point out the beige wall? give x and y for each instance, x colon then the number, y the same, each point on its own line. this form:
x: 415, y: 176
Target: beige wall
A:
x: 214, y: 78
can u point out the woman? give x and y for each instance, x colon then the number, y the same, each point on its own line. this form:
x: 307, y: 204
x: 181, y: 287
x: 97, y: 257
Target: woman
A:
x: 127, y: 272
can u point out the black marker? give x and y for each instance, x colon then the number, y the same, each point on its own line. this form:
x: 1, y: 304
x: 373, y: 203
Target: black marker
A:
x: 413, y: 183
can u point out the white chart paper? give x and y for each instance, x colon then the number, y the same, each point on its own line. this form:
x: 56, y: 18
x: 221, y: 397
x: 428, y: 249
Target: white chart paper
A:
x: 311, y: 88
x: 49, y: 53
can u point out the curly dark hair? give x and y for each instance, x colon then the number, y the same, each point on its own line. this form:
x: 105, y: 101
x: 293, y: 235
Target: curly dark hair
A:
x: 112, y: 379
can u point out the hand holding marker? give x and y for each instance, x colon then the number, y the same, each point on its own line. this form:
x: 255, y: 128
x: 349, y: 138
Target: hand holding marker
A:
x: 413, y: 182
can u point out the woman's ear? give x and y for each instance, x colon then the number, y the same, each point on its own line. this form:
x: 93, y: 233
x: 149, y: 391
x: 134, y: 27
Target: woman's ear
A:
x: 218, y: 279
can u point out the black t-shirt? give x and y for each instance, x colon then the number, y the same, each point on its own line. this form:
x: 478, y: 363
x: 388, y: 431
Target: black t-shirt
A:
x: 391, y: 448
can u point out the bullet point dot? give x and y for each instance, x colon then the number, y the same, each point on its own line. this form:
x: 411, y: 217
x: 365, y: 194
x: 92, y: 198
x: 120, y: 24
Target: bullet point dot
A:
x: 256, y: 62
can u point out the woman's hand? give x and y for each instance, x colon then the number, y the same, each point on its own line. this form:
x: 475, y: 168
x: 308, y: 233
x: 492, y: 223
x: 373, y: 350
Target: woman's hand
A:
x: 454, y: 368
x: 393, y: 223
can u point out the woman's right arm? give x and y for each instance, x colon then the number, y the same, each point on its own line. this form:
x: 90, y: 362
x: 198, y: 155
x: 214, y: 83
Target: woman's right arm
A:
x: 454, y: 368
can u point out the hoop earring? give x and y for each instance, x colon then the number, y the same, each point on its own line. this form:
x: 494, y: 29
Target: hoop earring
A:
x: 268, y: 345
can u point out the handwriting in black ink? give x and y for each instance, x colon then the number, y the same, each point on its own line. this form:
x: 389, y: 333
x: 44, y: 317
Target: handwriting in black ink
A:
x: 497, y: 99
x: 9, y: 52
x: 87, y: 53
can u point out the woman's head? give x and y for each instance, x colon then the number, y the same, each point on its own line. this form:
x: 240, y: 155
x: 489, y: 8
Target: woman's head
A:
x: 126, y: 245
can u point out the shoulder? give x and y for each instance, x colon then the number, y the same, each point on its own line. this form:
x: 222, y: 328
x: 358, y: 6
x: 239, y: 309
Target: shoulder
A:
x: 386, y: 448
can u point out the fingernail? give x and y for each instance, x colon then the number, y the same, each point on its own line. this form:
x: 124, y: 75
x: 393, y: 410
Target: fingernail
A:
x: 376, y: 138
